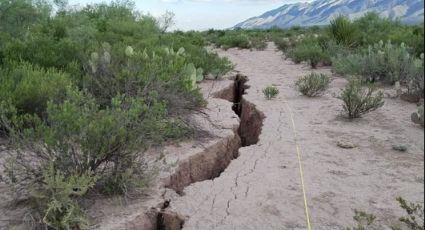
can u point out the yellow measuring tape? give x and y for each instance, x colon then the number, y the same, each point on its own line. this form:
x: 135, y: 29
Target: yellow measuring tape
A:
x: 306, y: 210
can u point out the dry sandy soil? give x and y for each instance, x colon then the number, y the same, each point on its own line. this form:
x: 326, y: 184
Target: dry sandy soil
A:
x: 261, y: 189
x: 214, y: 184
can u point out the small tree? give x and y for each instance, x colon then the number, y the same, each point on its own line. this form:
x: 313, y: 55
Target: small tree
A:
x: 166, y: 21
x: 359, y: 100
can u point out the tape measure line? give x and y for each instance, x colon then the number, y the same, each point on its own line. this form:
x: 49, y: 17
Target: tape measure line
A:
x: 306, y: 209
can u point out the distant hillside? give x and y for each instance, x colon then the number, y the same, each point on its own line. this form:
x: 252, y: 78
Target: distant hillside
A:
x: 320, y: 12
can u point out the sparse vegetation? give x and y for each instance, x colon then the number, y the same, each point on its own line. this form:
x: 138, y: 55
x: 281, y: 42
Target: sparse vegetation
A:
x: 364, y: 220
x: 270, y: 92
x: 359, y: 99
x: 413, y: 221
x: 313, y: 84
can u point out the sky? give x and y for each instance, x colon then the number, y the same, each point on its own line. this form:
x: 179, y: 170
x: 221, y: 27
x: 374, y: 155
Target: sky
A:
x: 204, y: 14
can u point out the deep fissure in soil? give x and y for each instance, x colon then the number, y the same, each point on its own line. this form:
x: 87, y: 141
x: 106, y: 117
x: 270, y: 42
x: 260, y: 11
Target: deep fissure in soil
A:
x: 251, y: 121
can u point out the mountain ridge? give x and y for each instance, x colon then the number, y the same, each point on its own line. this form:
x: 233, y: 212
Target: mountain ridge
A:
x: 320, y: 12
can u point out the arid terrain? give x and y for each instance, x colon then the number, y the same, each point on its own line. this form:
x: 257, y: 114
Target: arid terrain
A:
x: 247, y: 175
x: 261, y: 189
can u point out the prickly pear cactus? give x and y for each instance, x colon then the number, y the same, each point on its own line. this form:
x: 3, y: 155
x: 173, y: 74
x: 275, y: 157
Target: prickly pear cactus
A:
x: 199, y: 75
x: 190, y: 72
x: 129, y: 51
x: 145, y: 54
x: 181, y: 51
x: 94, y: 58
x: 397, y: 88
x: 418, y: 117
x: 106, y: 47
x: 107, y: 57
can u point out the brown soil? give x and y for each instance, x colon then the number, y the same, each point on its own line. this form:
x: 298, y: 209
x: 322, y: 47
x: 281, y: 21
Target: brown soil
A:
x: 246, y: 175
x: 261, y: 189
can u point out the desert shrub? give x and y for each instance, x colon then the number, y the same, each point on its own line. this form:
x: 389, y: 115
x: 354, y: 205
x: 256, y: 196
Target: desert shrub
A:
x: 359, y: 99
x: 239, y: 40
x: 413, y: 221
x: 364, y: 220
x: 414, y: 78
x: 270, y: 92
x: 312, y: 53
x: 29, y: 88
x: 56, y: 201
x: 282, y: 44
x: 415, y: 215
x: 343, y: 31
x: 258, y: 43
x: 313, y: 84
x: 381, y: 62
x: 371, y: 28
x: 81, y: 145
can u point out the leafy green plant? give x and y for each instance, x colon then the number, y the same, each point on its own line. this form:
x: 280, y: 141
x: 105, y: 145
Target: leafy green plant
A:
x: 231, y: 40
x: 56, y: 197
x: 258, y: 44
x: 29, y: 88
x: 312, y: 53
x: 80, y: 137
x: 343, y: 31
x: 381, y: 62
x: 415, y: 215
x: 270, y: 92
x: 358, y: 99
x: 282, y: 44
x: 313, y: 84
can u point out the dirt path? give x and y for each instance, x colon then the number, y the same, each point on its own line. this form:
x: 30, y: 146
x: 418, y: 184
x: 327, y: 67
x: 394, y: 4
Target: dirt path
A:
x: 261, y: 189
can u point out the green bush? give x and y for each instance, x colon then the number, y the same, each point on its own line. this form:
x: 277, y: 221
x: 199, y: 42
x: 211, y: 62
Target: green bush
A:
x: 313, y: 84
x: 56, y: 198
x: 258, y: 43
x: 270, y: 92
x: 343, y: 31
x: 359, y: 100
x: 312, y: 53
x: 382, y: 62
x: 282, y: 44
x: 29, y: 88
x: 235, y: 41
x: 82, y: 145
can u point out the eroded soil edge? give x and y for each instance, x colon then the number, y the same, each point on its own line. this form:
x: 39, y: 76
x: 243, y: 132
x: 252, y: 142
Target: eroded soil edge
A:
x: 251, y: 121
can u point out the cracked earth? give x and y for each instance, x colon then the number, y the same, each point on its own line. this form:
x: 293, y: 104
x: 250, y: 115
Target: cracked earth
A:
x: 261, y: 189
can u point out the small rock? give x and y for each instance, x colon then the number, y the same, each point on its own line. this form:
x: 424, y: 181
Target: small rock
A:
x: 400, y: 148
x: 345, y: 144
